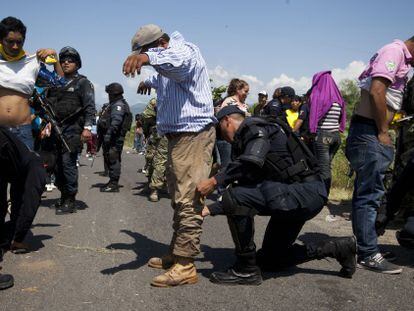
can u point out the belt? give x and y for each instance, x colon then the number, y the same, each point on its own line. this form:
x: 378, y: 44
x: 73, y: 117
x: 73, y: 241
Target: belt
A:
x: 362, y: 120
x: 178, y: 134
x: 312, y: 178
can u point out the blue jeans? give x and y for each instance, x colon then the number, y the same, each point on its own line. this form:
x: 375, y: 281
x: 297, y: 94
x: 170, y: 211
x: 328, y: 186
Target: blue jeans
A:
x: 325, y: 147
x: 370, y: 160
x: 24, y: 133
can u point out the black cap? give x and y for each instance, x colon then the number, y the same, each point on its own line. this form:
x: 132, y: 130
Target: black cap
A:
x: 287, y: 91
x: 114, y: 89
x: 228, y: 110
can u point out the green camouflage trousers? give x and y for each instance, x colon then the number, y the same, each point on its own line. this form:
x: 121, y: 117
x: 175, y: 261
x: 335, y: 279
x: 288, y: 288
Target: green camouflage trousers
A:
x: 156, y: 161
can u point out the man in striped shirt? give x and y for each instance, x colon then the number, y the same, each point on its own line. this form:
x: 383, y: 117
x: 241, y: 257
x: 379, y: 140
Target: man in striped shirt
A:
x: 185, y: 116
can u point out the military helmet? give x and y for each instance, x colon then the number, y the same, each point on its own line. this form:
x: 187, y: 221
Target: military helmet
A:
x: 70, y: 52
x: 114, y: 88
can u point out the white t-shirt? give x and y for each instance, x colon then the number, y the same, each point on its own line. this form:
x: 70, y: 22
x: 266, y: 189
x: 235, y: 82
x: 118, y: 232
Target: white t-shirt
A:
x: 19, y: 75
x: 393, y: 97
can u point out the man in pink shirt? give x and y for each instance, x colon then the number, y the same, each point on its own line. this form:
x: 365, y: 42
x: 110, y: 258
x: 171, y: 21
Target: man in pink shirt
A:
x: 369, y: 148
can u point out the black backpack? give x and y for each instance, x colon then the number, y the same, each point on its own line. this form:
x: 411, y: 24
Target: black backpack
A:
x: 127, y: 122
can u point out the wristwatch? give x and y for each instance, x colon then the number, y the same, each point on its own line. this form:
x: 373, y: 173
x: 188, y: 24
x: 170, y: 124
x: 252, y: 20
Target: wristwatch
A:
x: 89, y: 128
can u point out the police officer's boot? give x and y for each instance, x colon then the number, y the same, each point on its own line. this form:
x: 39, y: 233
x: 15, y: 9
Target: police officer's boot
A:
x: 245, y: 271
x: 342, y: 249
x: 110, y: 187
x: 6, y: 281
x: 60, y: 201
x: 68, y: 206
x: 406, y: 236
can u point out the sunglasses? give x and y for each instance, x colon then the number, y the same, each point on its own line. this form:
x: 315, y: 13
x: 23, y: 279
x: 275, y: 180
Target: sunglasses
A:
x: 69, y: 60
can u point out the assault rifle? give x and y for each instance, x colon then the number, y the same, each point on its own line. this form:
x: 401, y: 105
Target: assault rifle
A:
x: 50, y: 116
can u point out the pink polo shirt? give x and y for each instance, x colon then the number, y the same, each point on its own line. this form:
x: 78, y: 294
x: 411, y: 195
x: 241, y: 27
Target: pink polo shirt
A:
x: 391, y: 62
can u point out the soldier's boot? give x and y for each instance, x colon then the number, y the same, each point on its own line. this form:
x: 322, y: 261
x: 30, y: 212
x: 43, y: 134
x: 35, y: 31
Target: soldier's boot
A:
x: 164, y: 262
x: 110, y: 187
x: 68, y: 206
x: 181, y: 273
x: 153, y: 197
x: 342, y: 249
x: 6, y: 281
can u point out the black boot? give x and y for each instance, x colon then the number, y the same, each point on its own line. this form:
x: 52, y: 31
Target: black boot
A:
x: 342, y: 249
x: 60, y: 201
x: 110, y: 187
x: 244, y: 272
x: 6, y: 281
x: 68, y: 206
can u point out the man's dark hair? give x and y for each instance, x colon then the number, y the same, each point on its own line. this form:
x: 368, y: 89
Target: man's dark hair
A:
x: 9, y: 24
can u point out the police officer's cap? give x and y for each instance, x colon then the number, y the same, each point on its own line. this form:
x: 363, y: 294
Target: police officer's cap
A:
x: 228, y: 110
x: 114, y: 89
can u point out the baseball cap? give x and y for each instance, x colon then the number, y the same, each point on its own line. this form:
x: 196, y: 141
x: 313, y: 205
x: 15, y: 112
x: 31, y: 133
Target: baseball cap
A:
x: 287, y: 91
x: 264, y: 93
x: 145, y: 35
x: 228, y: 110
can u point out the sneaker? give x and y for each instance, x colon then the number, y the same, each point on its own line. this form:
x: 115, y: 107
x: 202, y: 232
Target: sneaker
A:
x: 53, y: 186
x: 6, y: 281
x: 49, y: 187
x: 379, y: 264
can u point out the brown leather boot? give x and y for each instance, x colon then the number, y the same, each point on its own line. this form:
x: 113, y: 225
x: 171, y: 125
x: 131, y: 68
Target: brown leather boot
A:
x: 164, y: 262
x: 182, y: 272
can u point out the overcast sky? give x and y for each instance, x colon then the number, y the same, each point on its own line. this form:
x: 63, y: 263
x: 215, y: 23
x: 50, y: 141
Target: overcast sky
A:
x: 268, y: 43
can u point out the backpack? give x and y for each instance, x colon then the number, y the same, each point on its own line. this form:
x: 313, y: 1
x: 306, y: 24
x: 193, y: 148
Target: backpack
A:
x: 128, y: 117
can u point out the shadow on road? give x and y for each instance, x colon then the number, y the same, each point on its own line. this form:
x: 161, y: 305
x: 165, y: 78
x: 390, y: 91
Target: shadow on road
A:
x: 143, y: 247
x: 220, y: 259
x: 36, y: 241
x: 50, y: 203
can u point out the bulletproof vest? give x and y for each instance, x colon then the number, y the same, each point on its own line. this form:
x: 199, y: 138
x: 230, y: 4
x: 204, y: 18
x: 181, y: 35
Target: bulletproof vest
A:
x: 66, y: 101
x: 127, y: 121
x: 300, y: 164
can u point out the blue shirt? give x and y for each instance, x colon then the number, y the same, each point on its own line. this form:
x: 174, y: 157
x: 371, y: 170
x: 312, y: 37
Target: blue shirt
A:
x: 184, y: 100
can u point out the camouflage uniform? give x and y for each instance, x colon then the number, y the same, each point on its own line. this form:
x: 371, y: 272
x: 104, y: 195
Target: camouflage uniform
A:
x: 157, y: 146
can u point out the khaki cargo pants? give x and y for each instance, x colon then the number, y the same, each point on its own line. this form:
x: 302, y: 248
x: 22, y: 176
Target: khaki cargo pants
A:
x: 189, y: 162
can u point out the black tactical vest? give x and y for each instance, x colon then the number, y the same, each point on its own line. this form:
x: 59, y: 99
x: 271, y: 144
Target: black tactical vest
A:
x: 302, y: 163
x: 66, y: 101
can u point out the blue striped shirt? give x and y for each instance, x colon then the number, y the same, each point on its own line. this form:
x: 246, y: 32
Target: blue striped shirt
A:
x: 184, y: 100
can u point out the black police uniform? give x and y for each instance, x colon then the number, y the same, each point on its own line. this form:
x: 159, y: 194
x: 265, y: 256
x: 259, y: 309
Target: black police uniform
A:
x: 115, y: 136
x: 102, y: 128
x: 23, y: 169
x: 74, y: 106
x: 276, y: 176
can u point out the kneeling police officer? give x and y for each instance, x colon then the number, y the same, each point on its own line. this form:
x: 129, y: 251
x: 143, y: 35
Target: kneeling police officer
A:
x: 272, y: 173
x: 119, y: 123
x: 74, y: 107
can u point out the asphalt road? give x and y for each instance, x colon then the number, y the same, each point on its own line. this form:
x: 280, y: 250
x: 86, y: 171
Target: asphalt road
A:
x: 96, y: 260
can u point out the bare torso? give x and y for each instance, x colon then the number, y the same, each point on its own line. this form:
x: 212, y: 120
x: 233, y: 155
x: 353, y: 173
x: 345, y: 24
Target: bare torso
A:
x: 365, y: 108
x: 14, y: 108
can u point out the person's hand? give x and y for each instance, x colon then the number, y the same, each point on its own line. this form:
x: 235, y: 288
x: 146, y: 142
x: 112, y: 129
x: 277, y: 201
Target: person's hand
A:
x: 205, y: 212
x: 43, y: 53
x: 86, y: 135
x: 143, y: 89
x: 133, y: 64
x: 385, y: 139
x: 381, y: 223
x: 206, y: 186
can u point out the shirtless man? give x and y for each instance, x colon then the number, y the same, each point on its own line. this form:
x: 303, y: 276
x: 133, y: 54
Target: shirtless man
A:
x: 369, y: 147
x: 14, y: 93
